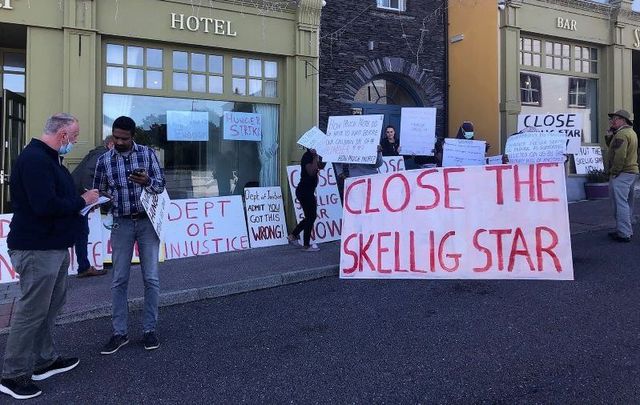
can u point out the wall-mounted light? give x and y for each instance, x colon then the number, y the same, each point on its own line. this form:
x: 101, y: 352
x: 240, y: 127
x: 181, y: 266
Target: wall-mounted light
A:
x: 372, y: 45
x: 456, y: 38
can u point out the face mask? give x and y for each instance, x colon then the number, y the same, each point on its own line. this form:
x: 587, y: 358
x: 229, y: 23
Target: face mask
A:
x: 64, y: 149
x: 468, y: 135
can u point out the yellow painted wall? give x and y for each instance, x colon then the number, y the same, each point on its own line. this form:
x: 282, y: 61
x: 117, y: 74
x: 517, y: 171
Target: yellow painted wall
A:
x: 473, y: 69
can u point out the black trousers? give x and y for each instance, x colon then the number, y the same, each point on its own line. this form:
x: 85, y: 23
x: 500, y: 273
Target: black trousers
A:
x: 309, y: 205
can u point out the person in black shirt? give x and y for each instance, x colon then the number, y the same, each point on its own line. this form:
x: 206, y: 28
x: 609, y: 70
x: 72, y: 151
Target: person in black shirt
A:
x: 390, y: 144
x: 310, y: 164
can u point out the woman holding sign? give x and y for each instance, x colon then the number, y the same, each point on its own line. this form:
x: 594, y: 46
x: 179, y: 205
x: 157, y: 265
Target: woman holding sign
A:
x: 310, y: 164
x: 390, y: 144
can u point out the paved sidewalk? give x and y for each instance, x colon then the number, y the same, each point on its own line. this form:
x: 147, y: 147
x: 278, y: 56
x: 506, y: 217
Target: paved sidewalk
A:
x: 196, y: 278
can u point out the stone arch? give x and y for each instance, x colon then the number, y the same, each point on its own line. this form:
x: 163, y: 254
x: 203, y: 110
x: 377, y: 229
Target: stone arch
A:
x: 421, y: 82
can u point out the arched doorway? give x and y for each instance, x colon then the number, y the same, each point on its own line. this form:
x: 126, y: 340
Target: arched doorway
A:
x: 385, y: 94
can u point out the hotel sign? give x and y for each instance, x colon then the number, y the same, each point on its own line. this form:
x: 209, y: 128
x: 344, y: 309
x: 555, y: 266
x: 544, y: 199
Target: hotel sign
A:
x: 202, y: 24
x: 6, y: 4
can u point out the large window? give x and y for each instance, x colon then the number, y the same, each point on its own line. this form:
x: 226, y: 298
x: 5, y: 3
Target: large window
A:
x: 392, y: 4
x: 530, y: 89
x: 198, y: 72
x: 577, y: 93
x: 134, y: 67
x: 13, y: 71
x: 558, y: 55
x: 213, y: 166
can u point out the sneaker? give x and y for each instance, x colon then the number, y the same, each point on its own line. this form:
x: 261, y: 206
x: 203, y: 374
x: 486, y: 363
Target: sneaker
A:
x: 312, y: 248
x: 115, y: 343
x: 294, y: 241
x: 19, y: 388
x: 151, y: 341
x: 618, y: 238
x: 91, y: 272
x: 59, y: 366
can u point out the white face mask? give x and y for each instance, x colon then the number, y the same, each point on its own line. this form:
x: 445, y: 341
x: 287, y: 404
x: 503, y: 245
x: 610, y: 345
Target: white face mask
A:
x: 64, y: 149
x: 468, y: 135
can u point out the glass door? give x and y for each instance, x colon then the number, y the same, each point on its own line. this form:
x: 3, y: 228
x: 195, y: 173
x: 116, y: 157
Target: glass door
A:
x: 13, y: 140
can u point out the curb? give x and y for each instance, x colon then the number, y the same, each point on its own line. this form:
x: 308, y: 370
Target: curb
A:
x: 200, y: 293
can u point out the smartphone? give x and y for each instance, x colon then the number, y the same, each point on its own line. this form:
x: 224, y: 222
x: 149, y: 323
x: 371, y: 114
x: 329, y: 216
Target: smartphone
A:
x: 139, y: 171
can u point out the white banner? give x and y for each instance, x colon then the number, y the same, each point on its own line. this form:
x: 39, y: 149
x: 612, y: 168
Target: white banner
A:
x: 329, y: 222
x: 155, y: 205
x: 480, y: 222
x: 588, y: 158
x: 417, y: 131
x: 187, y: 126
x: 205, y: 226
x: 353, y: 139
x: 391, y: 164
x: 314, y: 139
x: 463, y: 152
x: 238, y: 126
x: 569, y: 124
x: 265, y: 216
x: 536, y: 147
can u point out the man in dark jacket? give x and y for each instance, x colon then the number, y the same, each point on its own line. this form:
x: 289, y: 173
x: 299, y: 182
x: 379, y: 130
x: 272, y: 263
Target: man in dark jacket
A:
x: 83, y: 179
x: 46, y: 214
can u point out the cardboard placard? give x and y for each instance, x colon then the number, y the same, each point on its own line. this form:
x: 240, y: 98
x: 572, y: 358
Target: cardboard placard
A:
x: 588, y: 158
x: 239, y: 126
x: 463, y: 152
x: 353, y: 139
x: 536, y: 147
x: 417, y: 130
x: 155, y: 205
x: 569, y: 124
x: 265, y: 216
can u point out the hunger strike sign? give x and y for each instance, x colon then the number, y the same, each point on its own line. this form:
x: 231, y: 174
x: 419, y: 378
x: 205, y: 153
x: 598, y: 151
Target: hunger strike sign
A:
x: 480, y: 222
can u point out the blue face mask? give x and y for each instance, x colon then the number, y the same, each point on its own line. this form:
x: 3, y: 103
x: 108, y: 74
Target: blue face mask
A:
x: 64, y: 149
x: 468, y: 135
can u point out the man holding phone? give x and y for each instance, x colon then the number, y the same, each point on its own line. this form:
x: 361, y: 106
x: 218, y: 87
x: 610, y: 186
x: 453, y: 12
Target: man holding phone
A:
x: 123, y: 173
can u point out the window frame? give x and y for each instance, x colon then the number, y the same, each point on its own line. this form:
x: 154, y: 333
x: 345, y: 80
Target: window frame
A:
x: 402, y: 5
x: 538, y: 90
x: 577, y: 93
x: 572, y: 71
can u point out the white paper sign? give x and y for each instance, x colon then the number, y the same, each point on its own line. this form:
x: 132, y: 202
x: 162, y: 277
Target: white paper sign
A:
x: 187, y: 126
x: 353, y: 139
x: 156, y: 206
x: 265, y: 216
x: 569, y: 124
x: 458, y: 223
x: 417, y: 131
x: 314, y: 139
x: 329, y: 222
x: 588, y: 158
x: 463, y: 152
x: 391, y: 164
x: 238, y: 126
x: 494, y: 160
x: 205, y: 226
x: 536, y: 147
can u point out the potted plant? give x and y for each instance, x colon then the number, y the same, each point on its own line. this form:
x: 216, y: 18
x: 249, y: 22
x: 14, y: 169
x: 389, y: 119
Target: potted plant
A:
x: 597, y: 185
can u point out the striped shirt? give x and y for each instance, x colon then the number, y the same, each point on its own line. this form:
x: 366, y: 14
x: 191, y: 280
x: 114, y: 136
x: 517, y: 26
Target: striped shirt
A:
x: 112, y: 172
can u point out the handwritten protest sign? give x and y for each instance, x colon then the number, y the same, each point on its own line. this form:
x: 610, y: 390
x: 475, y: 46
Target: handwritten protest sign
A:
x: 265, y: 216
x: 588, y: 158
x: 463, y: 152
x: 480, y: 222
x: 353, y: 139
x: 187, y: 126
x: 328, y: 224
x: 155, y: 205
x: 391, y: 164
x: 314, y: 139
x: 238, y: 126
x: 536, y: 147
x: 494, y: 160
x: 418, y: 130
x: 205, y: 226
x: 569, y: 124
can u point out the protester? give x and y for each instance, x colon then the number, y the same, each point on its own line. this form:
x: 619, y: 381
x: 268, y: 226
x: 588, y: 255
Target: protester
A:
x: 390, y: 144
x: 623, y: 172
x: 123, y: 172
x: 310, y: 164
x: 46, y: 214
x: 83, y: 179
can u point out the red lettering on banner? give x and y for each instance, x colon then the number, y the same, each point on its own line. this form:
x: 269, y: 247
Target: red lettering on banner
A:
x: 407, y: 192
x: 412, y: 254
x: 517, y: 183
x: 367, y: 208
x: 436, y: 192
x: 541, y: 182
x: 207, y: 226
x: 293, y: 178
x: 349, y: 252
x: 222, y: 203
x: 382, y: 250
x: 396, y: 251
x: 179, y: 212
x: 208, y: 205
x: 322, y: 213
x: 484, y: 250
x: 448, y: 188
x: 499, y: 182
x: 7, y: 265
x: 97, y: 254
x: 548, y: 249
x: 189, y: 207
x: 454, y: 256
x: 193, y: 230
x: 519, y: 237
x: 363, y: 252
x: 347, y: 194
x: 4, y: 228
x: 498, y: 234
x: 432, y: 251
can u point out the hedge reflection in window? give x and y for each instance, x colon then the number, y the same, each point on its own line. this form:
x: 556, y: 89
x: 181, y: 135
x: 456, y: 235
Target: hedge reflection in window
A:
x: 195, y: 169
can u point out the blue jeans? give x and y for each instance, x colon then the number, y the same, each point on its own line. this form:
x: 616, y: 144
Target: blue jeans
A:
x: 124, y: 234
x: 81, y: 242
